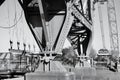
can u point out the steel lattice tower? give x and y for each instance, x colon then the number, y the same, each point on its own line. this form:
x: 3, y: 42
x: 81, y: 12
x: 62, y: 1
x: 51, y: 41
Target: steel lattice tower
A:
x: 113, y: 27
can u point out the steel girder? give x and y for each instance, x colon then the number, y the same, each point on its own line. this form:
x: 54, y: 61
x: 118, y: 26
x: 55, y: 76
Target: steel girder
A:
x: 78, y: 34
x: 113, y: 28
x: 80, y: 31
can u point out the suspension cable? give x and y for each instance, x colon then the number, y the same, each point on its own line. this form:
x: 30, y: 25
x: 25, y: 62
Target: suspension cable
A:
x: 12, y: 26
x: 8, y: 13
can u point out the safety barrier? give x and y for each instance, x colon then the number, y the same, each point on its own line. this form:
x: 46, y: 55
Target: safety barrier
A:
x: 50, y: 76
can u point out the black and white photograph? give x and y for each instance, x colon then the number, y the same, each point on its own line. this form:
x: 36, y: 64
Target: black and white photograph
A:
x: 59, y: 40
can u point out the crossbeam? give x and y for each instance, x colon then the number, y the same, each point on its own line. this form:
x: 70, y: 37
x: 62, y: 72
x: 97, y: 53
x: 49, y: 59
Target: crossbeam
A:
x: 81, y: 17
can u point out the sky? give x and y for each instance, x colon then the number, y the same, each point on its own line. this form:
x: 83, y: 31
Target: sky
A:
x: 11, y: 14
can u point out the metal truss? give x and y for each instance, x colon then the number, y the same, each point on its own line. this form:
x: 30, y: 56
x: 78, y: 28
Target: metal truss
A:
x: 81, y: 27
x: 77, y: 25
x: 113, y: 27
x: 65, y: 29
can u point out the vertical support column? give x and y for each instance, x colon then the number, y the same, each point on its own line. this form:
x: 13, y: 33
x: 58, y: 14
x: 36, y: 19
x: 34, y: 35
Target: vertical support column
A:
x: 113, y: 27
x: 49, y: 31
x: 81, y: 46
x: 11, y: 44
x: 101, y: 24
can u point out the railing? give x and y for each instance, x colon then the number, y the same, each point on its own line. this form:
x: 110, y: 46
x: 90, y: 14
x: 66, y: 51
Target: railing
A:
x: 16, y: 63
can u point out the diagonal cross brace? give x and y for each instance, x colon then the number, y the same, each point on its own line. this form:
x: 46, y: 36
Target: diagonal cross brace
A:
x: 76, y: 12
